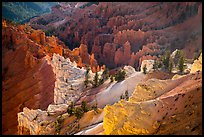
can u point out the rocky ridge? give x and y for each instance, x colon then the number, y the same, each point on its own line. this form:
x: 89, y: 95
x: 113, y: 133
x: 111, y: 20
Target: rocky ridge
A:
x: 27, y: 74
x: 69, y: 82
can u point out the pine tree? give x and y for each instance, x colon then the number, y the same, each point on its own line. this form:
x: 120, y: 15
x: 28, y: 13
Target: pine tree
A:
x: 95, y: 106
x: 155, y: 65
x: 122, y: 96
x: 120, y: 75
x: 170, y: 65
x: 104, y: 76
x: 84, y: 106
x: 177, y: 56
x: 165, y: 60
x: 95, y: 81
x: 159, y: 64
x: 105, y: 73
x: 111, y: 78
x: 181, y: 63
x: 78, y: 112
x: 126, y: 95
x: 145, y: 69
x: 86, y: 81
x: 70, y: 109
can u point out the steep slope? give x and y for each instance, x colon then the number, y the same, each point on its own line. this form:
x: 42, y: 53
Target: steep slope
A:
x: 28, y: 79
x: 159, y: 107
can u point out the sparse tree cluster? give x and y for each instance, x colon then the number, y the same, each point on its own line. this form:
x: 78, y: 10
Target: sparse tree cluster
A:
x: 157, y: 64
x: 168, y: 63
x: 96, y: 81
x: 79, y: 111
x: 120, y: 75
x: 126, y: 96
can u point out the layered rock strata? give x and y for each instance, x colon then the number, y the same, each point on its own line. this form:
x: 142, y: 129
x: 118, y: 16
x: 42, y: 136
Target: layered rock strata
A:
x: 159, y: 107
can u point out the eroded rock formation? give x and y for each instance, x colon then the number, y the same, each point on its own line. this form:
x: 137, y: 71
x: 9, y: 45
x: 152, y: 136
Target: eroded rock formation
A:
x: 108, y: 26
x: 159, y: 107
x: 27, y: 75
x: 28, y: 79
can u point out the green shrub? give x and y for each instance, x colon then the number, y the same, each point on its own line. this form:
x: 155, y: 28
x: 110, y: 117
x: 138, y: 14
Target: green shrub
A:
x: 181, y: 65
x: 95, y: 81
x: 58, y: 124
x: 78, y: 112
x: 177, y: 56
x: 111, y: 78
x: 70, y: 109
x: 95, y: 108
x: 171, y: 63
x: 120, y: 75
x: 86, y: 81
x: 145, y: 69
x: 126, y: 95
x: 84, y: 106
x: 122, y: 96
x: 165, y: 60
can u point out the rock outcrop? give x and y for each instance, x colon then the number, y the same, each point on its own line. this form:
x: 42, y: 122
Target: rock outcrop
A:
x: 149, y: 65
x: 69, y: 82
x: 55, y: 120
x: 197, y: 65
x: 159, y: 107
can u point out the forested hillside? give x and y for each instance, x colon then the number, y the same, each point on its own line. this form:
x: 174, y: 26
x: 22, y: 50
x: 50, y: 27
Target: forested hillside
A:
x: 21, y: 11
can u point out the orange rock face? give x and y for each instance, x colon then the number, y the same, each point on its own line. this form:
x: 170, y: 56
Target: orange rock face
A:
x: 106, y: 27
x: 28, y: 79
x: 83, y: 53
